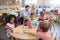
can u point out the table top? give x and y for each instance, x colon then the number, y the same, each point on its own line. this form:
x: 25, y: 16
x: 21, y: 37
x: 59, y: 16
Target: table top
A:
x: 19, y: 34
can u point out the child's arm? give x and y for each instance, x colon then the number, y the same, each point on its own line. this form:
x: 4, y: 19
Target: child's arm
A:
x: 7, y: 27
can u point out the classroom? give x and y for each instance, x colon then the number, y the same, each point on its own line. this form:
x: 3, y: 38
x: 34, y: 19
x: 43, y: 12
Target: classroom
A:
x: 29, y: 19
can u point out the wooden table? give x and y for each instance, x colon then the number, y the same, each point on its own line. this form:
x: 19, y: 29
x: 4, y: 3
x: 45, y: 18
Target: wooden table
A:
x: 19, y: 34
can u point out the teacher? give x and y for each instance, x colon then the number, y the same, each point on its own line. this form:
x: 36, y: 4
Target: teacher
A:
x: 24, y: 14
x: 34, y: 9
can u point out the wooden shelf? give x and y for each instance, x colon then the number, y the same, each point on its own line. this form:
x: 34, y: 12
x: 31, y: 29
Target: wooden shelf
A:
x: 8, y: 2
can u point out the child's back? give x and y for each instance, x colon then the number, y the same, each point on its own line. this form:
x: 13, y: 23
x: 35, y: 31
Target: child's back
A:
x: 44, y: 36
x: 43, y: 31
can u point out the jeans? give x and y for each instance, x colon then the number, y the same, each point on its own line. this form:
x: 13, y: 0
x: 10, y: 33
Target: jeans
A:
x: 21, y: 20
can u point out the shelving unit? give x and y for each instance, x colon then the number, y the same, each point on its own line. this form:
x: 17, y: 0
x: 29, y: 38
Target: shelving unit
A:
x: 9, y: 2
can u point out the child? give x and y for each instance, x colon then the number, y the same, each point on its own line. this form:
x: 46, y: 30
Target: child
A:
x: 44, y: 32
x: 11, y: 20
x: 52, y: 28
x: 41, y: 18
x: 33, y: 20
x: 27, y: 23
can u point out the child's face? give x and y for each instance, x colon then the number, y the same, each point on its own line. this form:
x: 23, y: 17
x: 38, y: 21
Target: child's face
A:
x: 33, y: 7
x: 41, y: 15
x: 33, y: 16
x: 12, y: 20
x: 27, y: 8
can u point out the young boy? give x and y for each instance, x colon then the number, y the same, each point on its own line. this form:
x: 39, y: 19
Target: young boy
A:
x: 44, y: 32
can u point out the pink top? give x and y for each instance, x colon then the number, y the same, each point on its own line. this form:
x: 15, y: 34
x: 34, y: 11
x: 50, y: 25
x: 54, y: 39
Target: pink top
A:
x: 29, y: 24
x: 44, y: 36
x: 11, y: 26
x: 41, y: 19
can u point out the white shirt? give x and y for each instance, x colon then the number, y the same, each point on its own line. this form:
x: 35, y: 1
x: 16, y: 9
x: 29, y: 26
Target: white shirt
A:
x: 25, y: 13
x: 11, y: 26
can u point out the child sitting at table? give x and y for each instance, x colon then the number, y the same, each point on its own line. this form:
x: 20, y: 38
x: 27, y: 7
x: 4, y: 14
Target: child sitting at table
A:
x: 44, y: 32
x: 41, y: 18
x: 11, y: 19
x: 27, y: 23
x: 33, y: 19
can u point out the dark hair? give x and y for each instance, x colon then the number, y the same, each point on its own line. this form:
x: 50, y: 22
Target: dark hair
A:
x: 25, y: 20
x: 42, y: 13
x: 9, y: 18
x: 26, y: 6
x: 51, y: 10
x: 44, y: 26
x: 32, y: 13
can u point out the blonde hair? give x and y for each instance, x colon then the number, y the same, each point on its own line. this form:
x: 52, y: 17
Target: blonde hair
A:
x: 32, y: 13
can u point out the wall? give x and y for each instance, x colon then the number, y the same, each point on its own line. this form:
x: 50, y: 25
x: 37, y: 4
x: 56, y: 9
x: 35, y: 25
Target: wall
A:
x: 43, y: 2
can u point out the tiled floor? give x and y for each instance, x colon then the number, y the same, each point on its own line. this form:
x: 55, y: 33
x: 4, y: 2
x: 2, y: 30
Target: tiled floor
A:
x: 58, y: 30
x: 4, y: 37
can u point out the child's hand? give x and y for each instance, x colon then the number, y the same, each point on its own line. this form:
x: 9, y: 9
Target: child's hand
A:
x: 11, y: 30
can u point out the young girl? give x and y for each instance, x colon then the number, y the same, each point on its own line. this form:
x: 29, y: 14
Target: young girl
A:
x: 41, y: 18
x: 44, y: 32
x: 11, y: 20
x: 33, y: 19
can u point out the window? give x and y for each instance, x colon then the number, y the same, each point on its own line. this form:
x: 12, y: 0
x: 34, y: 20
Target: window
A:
x: 30, y: 2
x: 55, y: 2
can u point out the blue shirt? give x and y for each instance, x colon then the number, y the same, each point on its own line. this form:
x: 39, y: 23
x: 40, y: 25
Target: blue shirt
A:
x: 24, y: 13
x: 37, y: 11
